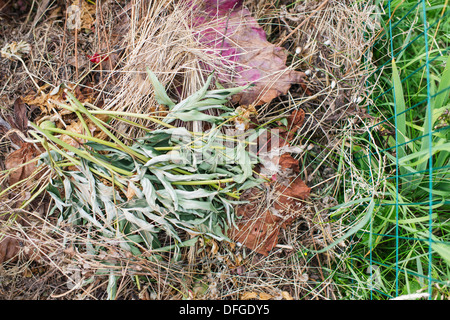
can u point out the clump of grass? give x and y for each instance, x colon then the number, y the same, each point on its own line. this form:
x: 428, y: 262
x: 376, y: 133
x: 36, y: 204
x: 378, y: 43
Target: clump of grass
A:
x: 405, y: 155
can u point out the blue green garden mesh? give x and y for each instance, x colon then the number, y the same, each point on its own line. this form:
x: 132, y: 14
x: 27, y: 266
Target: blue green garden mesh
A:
x: 404, y: 248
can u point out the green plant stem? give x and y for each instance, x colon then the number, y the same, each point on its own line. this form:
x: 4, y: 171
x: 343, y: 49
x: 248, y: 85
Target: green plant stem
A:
x: 96, y: 121
x: 80, y: 153
x: 134, y: 115
x: 20, y: 181
x: 84, y: 137
x: 76, y: 162
x: 204, y: 182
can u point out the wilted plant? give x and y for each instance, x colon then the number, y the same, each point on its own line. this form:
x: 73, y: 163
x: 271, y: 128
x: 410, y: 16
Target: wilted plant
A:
x: 130, y: 193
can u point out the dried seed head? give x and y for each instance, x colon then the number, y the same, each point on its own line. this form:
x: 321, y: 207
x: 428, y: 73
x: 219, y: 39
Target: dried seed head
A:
x: 15, y: 49
x: 333, y: 84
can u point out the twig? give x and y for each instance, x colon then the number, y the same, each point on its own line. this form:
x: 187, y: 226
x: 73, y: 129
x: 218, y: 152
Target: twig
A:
x: 27, y: 71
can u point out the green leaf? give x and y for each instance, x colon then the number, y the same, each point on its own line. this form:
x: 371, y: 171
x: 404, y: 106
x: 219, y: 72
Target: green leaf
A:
x: 444, y: 87
x: 160, y: 92
x: 194, y: 115
x: 191, y: 177
x: 149, y: 193
x: 424, y: 155
x: 399, y: 101
x: 197, y: 205
x: 443, y: 250
x: 141, y: 223
x: 160, y: 175
x: 243, y: 159
x: 188, y: 243
x: 436, y: 109
x: 196, y: 194
x: 112, y: 286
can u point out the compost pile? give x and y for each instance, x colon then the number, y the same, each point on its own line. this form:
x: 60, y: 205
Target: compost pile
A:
x: 157, y: 183
x: 112, y: 167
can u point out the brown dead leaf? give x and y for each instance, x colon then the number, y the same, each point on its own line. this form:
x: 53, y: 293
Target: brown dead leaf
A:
x: 260, y: 222
x: 75, y: 127
x: 258, y: 226
x: 214, y: 247
x: 87, y: 14
x: 144, y: 294
x: 247, y: 295
x: 9, y: 249
x: 55, y: 13
x: 27, y: 273
x: 41, y: 100
x: 20, y: 115
x: 265, y: 296
x: 20, y: 163
x: 286, y: 295
x: 18, y: 121
x: 245, y: 115
x: 297, y: 190
x: 130, y: 192
x: 295, y: 122
x: 257, y: 229
x: 46, y: 99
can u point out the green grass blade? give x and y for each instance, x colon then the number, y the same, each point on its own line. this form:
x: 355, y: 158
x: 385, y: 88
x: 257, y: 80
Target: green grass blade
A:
x: 443, y: 250
x: 444, y: 84
x: 401, y: 136
x: 435, y: 111
x: 353, y: 229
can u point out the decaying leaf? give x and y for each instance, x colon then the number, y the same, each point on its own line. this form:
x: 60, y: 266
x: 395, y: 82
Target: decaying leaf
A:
x: 258, y: 227
x: 286, y: 295
x: 265, y: 296
x: 16, y: 123
x: 15, y: 245
x: 245, y: 114
x: 228, y: 30
x: 47, y: 102
x: 20, y: 162
x: 9, y: 249
x: 131, y: 192
x: 295, y: 122
x: 248, y: 295
x: 260, y: 223
x: 20, y: 115
x: 86, y: 14
x: 75, y: 127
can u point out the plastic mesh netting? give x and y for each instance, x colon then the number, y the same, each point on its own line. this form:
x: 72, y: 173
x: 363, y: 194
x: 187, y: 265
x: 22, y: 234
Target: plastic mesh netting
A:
x: 404, y: 248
